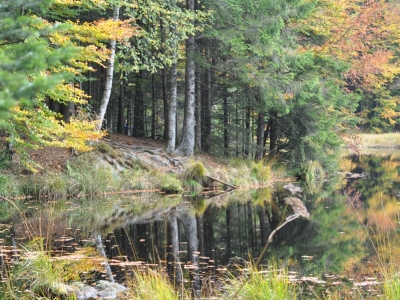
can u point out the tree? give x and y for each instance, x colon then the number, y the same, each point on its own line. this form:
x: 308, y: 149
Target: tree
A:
x: 186, y: 146
x: 26, y: 55
x: 109, y: 77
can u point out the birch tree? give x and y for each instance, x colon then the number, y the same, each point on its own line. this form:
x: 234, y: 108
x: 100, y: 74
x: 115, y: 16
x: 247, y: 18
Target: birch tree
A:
x: 109, y: 77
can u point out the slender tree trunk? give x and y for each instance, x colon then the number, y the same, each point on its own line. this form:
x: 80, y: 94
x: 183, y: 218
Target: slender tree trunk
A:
x: 247, y: 131
x: 172, y: 109
x: 260, y: 137
x: 138, y: 111
x: 273, y: 135
x: 153, y: 107
x: 121, y: 106
x: 226, y: 124
x: 198, y: 112
x: 186, y: 147
x: 109, y: 78
x: 165, y: 103
x: 207, y: 105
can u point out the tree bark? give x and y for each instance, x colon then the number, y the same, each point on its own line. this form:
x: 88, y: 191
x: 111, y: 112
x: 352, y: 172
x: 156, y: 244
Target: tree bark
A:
x: 172, y: 109
x: 121, y: 106
x: 207, y: 105
x: 198, y: 112
x: 226, y: 124
x: 109, y: 78
x: 186, y: 147
x: 260, y: 137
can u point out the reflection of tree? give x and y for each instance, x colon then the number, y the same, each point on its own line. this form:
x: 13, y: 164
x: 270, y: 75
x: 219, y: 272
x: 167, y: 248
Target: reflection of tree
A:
x: 378, y: 194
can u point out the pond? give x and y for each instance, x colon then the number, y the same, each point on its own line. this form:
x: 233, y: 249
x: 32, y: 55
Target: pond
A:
x: 351, y: 232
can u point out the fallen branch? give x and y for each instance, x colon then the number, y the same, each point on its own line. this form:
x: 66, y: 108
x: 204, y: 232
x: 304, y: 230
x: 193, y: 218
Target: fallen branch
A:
x: 220, y: 181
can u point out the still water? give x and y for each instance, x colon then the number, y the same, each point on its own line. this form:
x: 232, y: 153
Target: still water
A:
x: 352, y: 229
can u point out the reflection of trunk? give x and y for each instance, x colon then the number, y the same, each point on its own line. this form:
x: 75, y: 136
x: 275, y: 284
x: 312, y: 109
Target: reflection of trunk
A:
x: 263, y: 226
x: 200, y: 226
x: 250, y: 228
x: 100, y: 249
x: 189, y: 221
x: 209, y: 245
x: 174, y: 235
x: 141, y: 230
x: 228, y: 238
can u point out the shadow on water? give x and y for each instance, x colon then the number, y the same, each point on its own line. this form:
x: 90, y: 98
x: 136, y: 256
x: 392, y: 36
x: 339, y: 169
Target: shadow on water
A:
x: 198, y: 238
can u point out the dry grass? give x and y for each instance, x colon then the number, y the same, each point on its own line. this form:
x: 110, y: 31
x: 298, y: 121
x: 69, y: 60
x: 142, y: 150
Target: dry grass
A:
x: 383, y: 140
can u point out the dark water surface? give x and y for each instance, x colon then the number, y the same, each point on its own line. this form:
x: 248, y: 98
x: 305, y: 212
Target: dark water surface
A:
x: 352, y: 229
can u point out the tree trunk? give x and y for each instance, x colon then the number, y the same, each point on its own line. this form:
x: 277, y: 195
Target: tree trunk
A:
x: 226, y: 124
x: 153, y: 107
x: 121, y: 107
x: 165, y: 103
x: 186, y: 147
x: 207, y: 106
x: 172, y: 109
x: 138, y: 111
x: 260, y: 137
x: 198, y: 112
x: 273, y: 135
x: 109, y: 78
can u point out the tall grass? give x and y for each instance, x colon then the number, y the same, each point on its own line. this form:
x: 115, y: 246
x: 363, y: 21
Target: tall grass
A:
x: 153, y: 285
x: 272, y: 283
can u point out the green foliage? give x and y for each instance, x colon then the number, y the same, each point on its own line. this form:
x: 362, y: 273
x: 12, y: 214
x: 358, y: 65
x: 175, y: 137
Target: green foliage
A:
x: 26, y: 54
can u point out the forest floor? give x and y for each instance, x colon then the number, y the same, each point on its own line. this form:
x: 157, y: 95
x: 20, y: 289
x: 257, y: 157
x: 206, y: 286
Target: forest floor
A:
x: 147, y: 150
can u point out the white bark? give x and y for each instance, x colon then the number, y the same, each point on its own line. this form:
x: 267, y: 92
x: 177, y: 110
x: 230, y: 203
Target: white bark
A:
x: 109, y: 78
x: 186, y: 147
x: 172, y: 110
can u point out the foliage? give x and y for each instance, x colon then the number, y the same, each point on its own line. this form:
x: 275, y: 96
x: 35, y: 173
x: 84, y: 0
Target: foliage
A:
x: 26, y: 55
x: 271, y: 283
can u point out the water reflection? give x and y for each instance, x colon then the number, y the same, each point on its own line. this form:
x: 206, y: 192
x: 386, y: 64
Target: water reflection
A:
x: 354, y: 218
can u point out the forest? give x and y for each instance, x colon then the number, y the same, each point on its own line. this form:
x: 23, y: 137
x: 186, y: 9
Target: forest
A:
x: 275, y: 79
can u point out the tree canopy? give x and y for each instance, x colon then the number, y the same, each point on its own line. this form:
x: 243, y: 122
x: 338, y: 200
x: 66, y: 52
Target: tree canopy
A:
x: 253, y: 79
